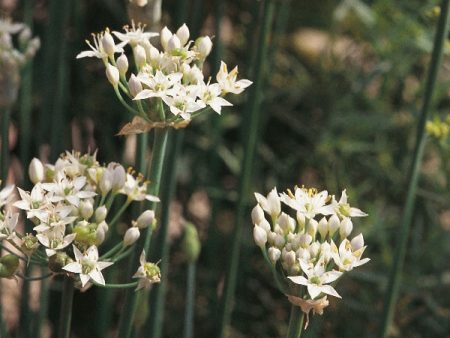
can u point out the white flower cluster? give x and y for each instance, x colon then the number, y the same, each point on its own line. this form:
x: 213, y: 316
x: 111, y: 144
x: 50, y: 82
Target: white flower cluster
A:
x: 167, y: 80
x: 12, y: 58
x: 69, y: 206
x: 308, y: 244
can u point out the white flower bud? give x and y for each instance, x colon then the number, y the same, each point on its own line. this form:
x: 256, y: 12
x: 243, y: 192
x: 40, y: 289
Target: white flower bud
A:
x: 314, y: 249
x: 204, y: 46
x: 260, y: 236
x: 122, y: 64
x: 166, y: 34
x: 312, y: 227
x: 257, y: 214
x: 287, y: 223
x: 323, y: 228
x: 274, y: 204
x: 119, y: 176
x: 100, y: 236
x: 145, y: 219
x: 108, y: 44
x: 86, y: 209
x: 139, y: 56
x: 134, y: 85
x: 183, y: 34
x: 346, y: 227
x: 357, y: 242
x: 271, y: 237
x: 333, y: 224
x: 105, y: 184
x: 301, y: 220
x: 174, y: 43
x: 36, y: 171
x: 264, y: 224
x: 325, y: 252
x: 290, y: 258
x: 25, y: 35
x: 112, y: 73
x: 131, y: 236
x: 303, y: 254
x: 103, y: 226
x: 305, y: 240
x: 279, y: 241
x: 153, y: 53
x: 100, y: 214
x: 274, y: 254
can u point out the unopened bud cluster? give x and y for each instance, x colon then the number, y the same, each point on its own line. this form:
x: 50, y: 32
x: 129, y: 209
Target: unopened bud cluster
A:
x: 13, y: 58
x: 306, y: 237
x: 165, y: 85
x: 69, y: 206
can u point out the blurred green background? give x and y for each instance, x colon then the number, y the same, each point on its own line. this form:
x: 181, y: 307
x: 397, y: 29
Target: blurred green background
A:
x: 344, y: 84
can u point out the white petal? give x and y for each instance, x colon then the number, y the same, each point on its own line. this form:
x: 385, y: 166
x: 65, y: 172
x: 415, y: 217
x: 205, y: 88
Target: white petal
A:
x: 73, y: 267
x: 314, y: 290
x: 97, y: 276
x: 84, y: 279
x: 299, y: 280
x: 329, y: 290
x: 330, y: 276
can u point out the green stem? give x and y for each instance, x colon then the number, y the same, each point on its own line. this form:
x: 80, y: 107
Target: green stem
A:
x: 4, y: 158
x: 65, y: 318
x: 120, y: 212
x: 112, y: 251
x: 251, y: 136
x: 396, y: 270
x: 118, y: 286
x: 132, y: 298
x: 296, y: 320
x: 190, y: 302
x: 43, y: 304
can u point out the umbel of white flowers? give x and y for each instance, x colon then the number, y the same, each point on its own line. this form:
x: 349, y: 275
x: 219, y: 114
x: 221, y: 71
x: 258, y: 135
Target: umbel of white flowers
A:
x: 13, y: 58
x: 165, y: 85
x: 304, y: 237
x: 69, y: 206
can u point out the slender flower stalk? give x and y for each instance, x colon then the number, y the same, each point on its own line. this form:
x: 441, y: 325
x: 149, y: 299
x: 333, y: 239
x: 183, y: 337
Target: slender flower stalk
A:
x: 254, y: 114
x: 65, y: 318
x: 4, y: 160
x: 296, y: 322
x: 400, y: 253
x: 188, y: 331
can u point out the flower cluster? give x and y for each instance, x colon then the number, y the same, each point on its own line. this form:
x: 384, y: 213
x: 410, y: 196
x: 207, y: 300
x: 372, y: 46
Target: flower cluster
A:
x: 167, y: 85
x: 308, y: 243
x: 69, y: 206
x: 439, y: 128
x: 12, y: 58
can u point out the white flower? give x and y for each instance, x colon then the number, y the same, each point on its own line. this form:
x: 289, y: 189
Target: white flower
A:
x: 318, y: 280
x: 131, y: 236
x: 347, y: 259
x: 183, y: 34
x: 307, y: 202
x: 182, y: 101
x: 36, y: 171
x: 98, y: 50
x: 8, y: 224
x: 87, y: 266
x: 158, y: 84
x: 134, y: 35
x: 136, y: 191
x: 53, y: 239
x: 210, y: 95
x: 259, y: 236
x: 343, y: 209
x: 203, y: 46
x: 145, y: 219
x: 271, y: 204
x: 71, y: 191
x: 34, y: 203
x: 227, y: 81
x: 148, y: 273
x: 6, y: 194
x: 6, y: 26
x: 113, y: 75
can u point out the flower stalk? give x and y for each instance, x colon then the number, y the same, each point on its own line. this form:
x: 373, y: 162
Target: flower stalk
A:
x: 4, y: 160
x: 400, y: 253
x: 65, y: 317
x: 296, y: 321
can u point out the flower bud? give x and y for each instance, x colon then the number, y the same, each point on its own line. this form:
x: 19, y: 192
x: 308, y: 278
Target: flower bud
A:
x: 314, y: 249
x: 357, y: 242
x: 118, y: 176
x: 122, y: 64
x: 290, y: 258
x: 274, y: 204
x: 100, y: 214
x: 279, y: 241
x: 173, y: 43
x: 24, y: 36
x: 204, y: 46
x: 104, y: 226
x: 100, y: 236
x: 166, y: 34
x: 264, y: 224
x: 36, y: 171
x: 312, y: 227
x: 346, y: 227
x: 257, y: 214
x: 183, y: 34
x: 8, y: 266
x: 58, y: 261
x: 105, y: 184
x: 29, y: 244
x: 274, y: 254
x: 86, y: 209
x: 305, y: 240
x: 301, y: 220
x: 139, y: 56
x: 260, y: 236
x: 112, y: 73
x: 191, y: 243
x: 153, y: 53
x: 286, y: 223
x: 333, y: 224
x: 108, y: 44
x: 145, y: 219
x: 322, y: 227
x: 134, y: 85
x: 131, y: 236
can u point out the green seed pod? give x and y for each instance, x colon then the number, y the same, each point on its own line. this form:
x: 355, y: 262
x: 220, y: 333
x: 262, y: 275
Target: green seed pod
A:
x: 8, y: 266
x: 191, y: 243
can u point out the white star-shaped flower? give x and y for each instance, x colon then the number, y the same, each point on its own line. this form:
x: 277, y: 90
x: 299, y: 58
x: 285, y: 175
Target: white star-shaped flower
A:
x: 343, y: 209
x: 210, y: 95
x: 87, y: 266
x: 307, y: 202
x: 227, y: 80
x: 134, y: 35
x: 148, y: 273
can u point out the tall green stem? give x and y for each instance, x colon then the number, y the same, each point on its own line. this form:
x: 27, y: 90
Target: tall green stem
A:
x: 4, y: 160
x: 132, y: 298
x: 296, y: 320
x: 65, y: 318
x: 251, y: 137
x: 395, y: 274
x: 190, y: 301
